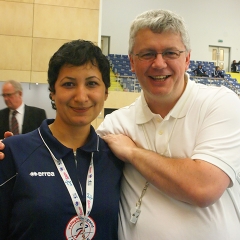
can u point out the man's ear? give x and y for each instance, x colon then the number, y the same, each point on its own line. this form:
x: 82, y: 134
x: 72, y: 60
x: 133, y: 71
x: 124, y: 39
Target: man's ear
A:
x: 132, y: 63
x: 187, y: 61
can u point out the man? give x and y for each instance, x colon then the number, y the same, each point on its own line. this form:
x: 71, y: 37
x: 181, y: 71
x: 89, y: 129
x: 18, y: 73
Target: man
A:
x: 181, y: 177
x: 28, y: 118
x: 182, y: 172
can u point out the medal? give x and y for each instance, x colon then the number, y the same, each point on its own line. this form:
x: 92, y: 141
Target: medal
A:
x: 78, y: 230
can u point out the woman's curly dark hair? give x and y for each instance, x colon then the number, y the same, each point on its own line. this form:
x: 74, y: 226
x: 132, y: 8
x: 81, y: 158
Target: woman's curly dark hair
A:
x: 77, y: 53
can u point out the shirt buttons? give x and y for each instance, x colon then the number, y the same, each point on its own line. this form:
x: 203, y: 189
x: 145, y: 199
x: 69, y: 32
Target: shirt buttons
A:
x: 160, y: 132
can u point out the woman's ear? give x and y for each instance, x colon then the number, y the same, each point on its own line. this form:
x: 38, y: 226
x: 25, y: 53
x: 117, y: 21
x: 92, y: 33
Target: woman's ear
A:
x: 106, y: 94
x: 51, y: 95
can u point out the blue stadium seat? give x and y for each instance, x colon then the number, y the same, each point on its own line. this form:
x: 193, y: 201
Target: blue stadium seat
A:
x: 204, y: 81
x: 110, y: 56
x: 125, y: 56
x: 216, y: 83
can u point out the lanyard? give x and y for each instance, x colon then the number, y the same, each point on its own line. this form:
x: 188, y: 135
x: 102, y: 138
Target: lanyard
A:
x: 70, y: 187
x: 135, y: 211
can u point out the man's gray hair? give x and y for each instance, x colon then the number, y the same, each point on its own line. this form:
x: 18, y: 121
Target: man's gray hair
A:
x: 159, y: 21
x: 17, y: 85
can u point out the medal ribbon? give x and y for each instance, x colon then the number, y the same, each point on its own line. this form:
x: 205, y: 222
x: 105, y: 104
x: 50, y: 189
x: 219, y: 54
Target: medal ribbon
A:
x: 72, y: 190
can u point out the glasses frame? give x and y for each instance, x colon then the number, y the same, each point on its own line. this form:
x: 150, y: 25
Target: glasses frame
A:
x: 8, y: 94
x: 154, y: 56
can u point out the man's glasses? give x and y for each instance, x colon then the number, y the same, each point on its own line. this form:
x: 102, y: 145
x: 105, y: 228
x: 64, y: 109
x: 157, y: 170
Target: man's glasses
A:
x: 8, y: 94
x: 166, y: 55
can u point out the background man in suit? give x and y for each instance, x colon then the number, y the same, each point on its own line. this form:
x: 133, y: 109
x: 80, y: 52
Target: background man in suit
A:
x: 28, y: 117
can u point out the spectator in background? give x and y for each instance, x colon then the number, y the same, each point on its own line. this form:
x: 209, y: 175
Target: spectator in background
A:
x: 26, y: 118
x: 199, y: 71
x: 237, y: 68
x: 234, y: 66
x: 217, y: 73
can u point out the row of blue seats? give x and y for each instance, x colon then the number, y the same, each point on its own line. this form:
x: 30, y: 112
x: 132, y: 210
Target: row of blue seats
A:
x: 207, y: 67
x: 198, y: 62
x: 120, y: 64
x: 131, y: 84
x: 209, y: 73
x: 125, y: 57
x: 119, y: 56
x: 229, y: 83
x: 121, y: 67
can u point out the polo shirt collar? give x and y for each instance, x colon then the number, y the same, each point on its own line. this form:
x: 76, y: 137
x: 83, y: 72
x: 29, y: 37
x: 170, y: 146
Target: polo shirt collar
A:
x: 58, y: 149
x: 144, y: 114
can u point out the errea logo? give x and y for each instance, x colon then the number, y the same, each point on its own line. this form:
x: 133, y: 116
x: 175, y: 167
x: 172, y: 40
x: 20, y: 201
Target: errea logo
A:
x: 42, y: 174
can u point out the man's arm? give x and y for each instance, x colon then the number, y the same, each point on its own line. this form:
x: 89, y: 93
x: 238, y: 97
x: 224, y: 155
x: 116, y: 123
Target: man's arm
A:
x: 192, y: 181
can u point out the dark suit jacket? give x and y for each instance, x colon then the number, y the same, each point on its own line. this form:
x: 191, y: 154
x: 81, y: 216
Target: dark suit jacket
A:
x: 32, y: 119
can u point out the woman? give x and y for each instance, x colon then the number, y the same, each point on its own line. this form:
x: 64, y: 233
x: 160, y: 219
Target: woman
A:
x: 61, y: 181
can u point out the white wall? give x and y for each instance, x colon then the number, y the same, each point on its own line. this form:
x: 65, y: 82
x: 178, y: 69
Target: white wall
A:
x: 207, y: 22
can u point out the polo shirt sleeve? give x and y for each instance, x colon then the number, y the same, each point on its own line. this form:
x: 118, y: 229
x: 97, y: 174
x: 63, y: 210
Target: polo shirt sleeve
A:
x: 112, y: 124
x: 218, y: 138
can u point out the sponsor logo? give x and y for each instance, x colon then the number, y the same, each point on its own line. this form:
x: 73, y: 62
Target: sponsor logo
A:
x: 42, y: 174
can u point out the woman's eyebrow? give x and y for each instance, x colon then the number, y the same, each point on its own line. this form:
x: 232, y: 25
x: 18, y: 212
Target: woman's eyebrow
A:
x: 89, y: 78
x: 68, y: 78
